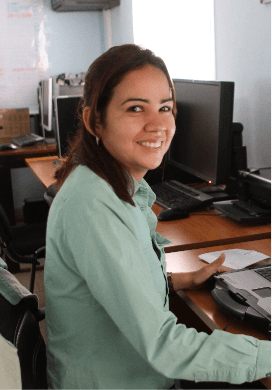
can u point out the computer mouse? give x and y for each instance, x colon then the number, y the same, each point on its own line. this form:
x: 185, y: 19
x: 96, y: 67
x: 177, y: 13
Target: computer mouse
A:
x: 7, y: 147
x: 172, y: 213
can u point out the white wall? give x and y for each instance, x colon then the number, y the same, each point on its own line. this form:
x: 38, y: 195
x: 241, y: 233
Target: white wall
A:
x: 122, y: 23
x: 75, y: 39
x: 243, y: 55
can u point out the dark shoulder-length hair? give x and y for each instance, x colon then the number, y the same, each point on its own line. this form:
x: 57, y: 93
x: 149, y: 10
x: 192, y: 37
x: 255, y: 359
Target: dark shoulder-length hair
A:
x: 105, y: 73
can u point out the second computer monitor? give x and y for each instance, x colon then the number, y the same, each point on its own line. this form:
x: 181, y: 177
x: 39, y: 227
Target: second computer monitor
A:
x: 203, y: 140
x: 65, y: 112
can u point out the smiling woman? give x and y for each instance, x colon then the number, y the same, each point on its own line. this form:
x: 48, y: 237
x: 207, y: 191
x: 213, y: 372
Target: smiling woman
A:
x: 139, y: 123
x: 108, y: 321
x: 132, y: 87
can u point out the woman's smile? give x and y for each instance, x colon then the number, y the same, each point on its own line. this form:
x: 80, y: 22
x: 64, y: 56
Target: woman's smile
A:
x: 151, y: 144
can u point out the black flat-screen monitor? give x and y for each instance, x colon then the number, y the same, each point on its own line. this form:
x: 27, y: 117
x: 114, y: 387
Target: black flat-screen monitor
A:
x: 203, y: 140
x: 65, y: 112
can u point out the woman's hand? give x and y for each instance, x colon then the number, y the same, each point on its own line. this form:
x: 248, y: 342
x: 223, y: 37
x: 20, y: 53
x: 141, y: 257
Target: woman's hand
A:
x: 197, y: 279
x: 201, y: 276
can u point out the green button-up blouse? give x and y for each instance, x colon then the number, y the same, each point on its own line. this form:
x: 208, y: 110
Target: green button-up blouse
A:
x: 107, y: 316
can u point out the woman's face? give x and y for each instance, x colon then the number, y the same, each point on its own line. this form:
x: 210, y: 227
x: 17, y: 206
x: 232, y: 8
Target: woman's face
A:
x: 139, y: 123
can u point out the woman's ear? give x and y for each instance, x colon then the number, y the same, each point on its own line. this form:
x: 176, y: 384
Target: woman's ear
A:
x: 86, y: 119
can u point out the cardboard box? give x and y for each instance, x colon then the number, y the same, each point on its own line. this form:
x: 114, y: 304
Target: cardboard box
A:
x: 13, y: 123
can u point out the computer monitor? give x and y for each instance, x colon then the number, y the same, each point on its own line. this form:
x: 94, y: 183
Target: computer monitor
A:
x: 45, y: 93
x: 65, y: 112
x: 202, y: 145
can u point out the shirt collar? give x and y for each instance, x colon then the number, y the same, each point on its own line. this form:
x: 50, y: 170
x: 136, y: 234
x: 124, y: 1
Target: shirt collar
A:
x: 143, y: 189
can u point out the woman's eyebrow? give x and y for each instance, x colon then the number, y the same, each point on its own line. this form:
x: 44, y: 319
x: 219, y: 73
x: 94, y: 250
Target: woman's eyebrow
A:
x: 145, y: 100
x: 167, y: 100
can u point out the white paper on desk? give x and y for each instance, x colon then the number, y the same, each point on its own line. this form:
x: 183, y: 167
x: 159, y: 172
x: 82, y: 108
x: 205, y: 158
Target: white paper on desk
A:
x: 235, y: 258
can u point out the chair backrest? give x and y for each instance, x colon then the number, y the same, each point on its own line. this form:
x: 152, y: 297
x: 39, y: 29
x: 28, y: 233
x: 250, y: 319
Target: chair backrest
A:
x: 50, y: 193
x: 19, y: 324
x: 5, y: 228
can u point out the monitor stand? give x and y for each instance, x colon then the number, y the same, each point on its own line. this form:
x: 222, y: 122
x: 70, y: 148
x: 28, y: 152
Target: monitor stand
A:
x: 50, y: 141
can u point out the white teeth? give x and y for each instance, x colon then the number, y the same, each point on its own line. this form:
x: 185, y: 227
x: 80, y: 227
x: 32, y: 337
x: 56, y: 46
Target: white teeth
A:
x: 151, y: 144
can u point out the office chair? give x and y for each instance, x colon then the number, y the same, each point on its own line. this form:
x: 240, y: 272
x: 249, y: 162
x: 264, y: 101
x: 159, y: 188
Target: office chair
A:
x: 23, y: 244
x: 50, y: 193
x: 19, y: 324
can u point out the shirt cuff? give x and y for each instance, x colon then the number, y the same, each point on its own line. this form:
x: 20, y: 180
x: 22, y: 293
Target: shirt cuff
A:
x: 263, y: 360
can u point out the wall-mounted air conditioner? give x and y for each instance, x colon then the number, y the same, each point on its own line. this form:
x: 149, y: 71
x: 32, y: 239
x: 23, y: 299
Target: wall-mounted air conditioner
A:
x: 83, y: 5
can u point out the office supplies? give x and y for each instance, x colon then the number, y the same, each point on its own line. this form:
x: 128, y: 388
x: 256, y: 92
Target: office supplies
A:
x: 172, y: 214
x: 173, y: 194
x: 8, y: 147
x: 27, y: 139
x: 235, y: 258
x: 254, y: 199
x: 245, y: 294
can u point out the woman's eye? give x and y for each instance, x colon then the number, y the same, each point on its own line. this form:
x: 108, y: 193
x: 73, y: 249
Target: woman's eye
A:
x: 135, y: 109
x: 166, y: 108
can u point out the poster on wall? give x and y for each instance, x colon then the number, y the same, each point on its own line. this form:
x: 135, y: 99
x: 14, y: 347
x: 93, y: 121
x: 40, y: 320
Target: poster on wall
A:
x: 23, y: 60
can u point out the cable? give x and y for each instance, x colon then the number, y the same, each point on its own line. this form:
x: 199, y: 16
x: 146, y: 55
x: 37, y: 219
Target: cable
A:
x: 209, y: 215
x: 225, y: 329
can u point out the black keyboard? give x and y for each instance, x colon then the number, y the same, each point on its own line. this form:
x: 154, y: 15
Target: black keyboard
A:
x: 174, y: 195
x: 265, y: 272
x: 27, y: 139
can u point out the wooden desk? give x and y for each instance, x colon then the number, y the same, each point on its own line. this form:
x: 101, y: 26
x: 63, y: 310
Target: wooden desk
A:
x: 43, y: 169
x: 200, y: 302
x: 208, y: 228
x: 16, y: 159
x: 197, y: 231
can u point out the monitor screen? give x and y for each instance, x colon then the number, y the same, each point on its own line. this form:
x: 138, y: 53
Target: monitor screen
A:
x: 203, y: 139
x: 65, y: 111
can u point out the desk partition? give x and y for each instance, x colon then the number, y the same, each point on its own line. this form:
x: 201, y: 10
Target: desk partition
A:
x: 16, y: 159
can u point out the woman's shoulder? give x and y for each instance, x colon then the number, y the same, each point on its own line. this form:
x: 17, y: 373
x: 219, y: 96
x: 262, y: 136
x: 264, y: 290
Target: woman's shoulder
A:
x: 84, y: 183
x: 85, y: 193
x: 84, y: 190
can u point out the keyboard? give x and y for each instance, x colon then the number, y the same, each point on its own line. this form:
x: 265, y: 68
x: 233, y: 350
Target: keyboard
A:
x: 264, y: 272
x: 174, y: 194
x: 27, y: 139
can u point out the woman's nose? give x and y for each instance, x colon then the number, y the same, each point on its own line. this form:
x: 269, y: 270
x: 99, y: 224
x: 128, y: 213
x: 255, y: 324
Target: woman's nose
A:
x: 155, y: 123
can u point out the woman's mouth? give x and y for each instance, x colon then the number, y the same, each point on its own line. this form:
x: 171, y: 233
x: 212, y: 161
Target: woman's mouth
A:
x: 151, y: 144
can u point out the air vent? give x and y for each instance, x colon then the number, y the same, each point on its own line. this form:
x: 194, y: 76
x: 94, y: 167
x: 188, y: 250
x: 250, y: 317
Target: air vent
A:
x: 83, y: 5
